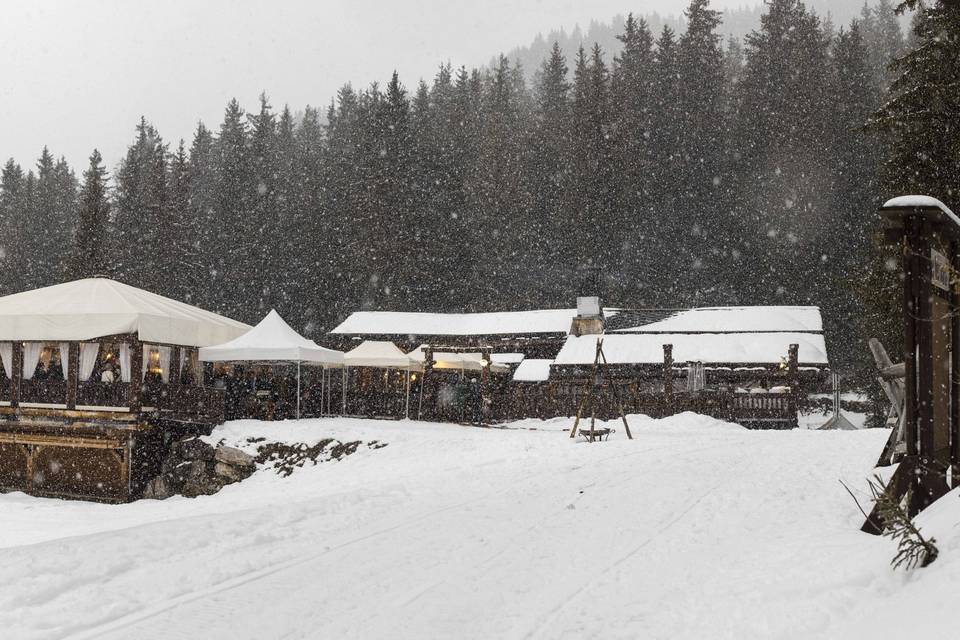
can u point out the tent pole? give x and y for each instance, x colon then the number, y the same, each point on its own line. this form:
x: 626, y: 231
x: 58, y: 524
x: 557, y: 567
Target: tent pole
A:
x: 407, y: 410
x: 346, y: 374
x: 420, y: 401
x: 298, y: 389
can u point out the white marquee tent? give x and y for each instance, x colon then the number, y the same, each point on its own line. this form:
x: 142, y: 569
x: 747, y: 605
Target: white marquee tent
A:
x: 98, y: 307
x: 273, y: 341
x: 469, y: 361
x: 379, y: 354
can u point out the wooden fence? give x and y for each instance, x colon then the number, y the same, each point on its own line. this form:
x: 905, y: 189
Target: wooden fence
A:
x: 760, y: 410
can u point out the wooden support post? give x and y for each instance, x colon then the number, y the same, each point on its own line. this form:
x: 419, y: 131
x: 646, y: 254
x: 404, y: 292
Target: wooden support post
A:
x: 16, y: 376
x: 591, y: 387
x: 924, y: 330
x: 793, y: 377
x: 616, y: 395
x: 427, y: 376
x: 174, y: 376
x: 910, y: 270
x: 955, y: 365
x: 136, y: 378
x: 73, y: 374
x: 668, y: 377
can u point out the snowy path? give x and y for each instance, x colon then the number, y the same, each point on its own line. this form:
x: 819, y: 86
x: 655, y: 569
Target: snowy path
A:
x: 694, y: 529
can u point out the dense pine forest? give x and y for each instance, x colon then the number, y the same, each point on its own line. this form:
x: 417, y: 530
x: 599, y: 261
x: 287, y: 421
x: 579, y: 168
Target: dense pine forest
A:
x: 691, y: 169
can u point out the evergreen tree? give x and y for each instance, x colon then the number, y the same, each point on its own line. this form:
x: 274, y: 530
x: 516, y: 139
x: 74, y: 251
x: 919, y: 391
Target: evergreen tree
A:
x: 261, y: 221
x: 90, y: 255
x: 883, y: 40
x: 701, y: 154
x: 632, y: 114
x: 13, y: 212
x: 185, y: 231
x: 782, y: 129
x: 232, y: 279
x: 553, y: 157
x: 200, y: 218
x: 919, y: 131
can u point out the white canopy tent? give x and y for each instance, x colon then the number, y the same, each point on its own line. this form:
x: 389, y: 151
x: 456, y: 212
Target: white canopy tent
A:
x: 274, y: 341
x: 379, y: 354
x: 99, y: 307
x: 471, y: 361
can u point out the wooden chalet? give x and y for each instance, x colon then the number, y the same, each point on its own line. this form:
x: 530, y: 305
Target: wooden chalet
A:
x: 97, y: 379
x: 750, y: 364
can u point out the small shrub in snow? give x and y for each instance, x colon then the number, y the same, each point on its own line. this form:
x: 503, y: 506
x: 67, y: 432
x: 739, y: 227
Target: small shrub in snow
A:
x: 913, y: 550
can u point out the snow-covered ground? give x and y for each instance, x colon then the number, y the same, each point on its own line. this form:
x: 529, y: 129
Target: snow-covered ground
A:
x: 695, y: 529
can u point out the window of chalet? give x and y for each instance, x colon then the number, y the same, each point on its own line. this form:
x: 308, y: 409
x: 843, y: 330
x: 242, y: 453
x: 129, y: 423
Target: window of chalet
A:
x: 50, y: 358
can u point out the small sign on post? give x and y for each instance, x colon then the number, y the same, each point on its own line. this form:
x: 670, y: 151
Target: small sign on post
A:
x: 928, y: 234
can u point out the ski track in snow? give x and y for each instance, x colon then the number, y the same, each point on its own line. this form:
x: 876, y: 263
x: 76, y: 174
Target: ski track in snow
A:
x: 693, y: 529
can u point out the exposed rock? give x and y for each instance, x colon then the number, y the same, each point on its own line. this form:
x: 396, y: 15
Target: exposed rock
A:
x: 285, y: 458
x: 235, y: 457
x: 158, y: 489
x: 194, y: 468
x: 194, y: 449
x: 232, y: 472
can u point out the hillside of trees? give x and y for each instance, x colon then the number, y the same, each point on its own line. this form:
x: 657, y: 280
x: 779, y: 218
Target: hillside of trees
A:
x: 691, y: 169
x: 735, y: 24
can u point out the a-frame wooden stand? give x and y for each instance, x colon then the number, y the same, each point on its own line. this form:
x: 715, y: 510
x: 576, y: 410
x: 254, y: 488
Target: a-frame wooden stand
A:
x: 589, y: 399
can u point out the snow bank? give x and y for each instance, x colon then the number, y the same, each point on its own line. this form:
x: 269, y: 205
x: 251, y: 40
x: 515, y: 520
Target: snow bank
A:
x: 694, y: 529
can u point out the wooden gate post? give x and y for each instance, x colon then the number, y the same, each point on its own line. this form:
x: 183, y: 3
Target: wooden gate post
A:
x: 668, y: 377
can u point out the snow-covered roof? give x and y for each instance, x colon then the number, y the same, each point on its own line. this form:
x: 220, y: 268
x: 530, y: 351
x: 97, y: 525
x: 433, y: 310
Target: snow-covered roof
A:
x: 507, y: 358
x: 920, y: 202
x: 721, y: 320
x: 733, y: 348
x: 272, y: 340
x: 902, y: 202
x: 532, y: 370
x: 558, y: 321
x: 377, y: 353
x: 97, y: 307
x: 457, y: 324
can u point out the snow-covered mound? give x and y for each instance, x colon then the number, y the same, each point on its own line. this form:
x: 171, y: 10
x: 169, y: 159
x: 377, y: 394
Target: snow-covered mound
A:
x: 694, y: 529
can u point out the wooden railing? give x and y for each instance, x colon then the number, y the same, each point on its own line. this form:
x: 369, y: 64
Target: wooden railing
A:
x: 103, y: 394
x: 516, y: 401
x: 52, y: 392
x: 185, y: 403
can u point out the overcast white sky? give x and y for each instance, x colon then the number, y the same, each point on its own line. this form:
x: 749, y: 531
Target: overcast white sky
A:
x: 77, y: 74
